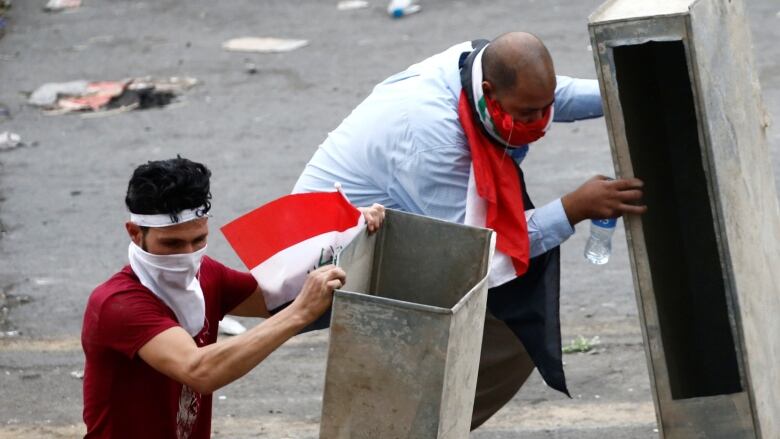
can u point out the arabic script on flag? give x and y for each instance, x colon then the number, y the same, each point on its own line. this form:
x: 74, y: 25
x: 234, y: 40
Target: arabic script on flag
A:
x: 280, y: 242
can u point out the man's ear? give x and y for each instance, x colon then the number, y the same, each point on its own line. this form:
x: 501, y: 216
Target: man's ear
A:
x: 135, y: 232
x: 487, y: 89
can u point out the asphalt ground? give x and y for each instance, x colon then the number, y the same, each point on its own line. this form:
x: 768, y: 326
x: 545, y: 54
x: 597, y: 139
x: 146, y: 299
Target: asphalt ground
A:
x: 61, y: 195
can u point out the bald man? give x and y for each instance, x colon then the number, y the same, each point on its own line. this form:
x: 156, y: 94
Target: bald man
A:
x: 445, y: 138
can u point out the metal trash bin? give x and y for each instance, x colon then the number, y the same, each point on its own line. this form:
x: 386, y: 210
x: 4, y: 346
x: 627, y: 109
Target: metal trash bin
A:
x: 684, y: 114
x: 406, y: 331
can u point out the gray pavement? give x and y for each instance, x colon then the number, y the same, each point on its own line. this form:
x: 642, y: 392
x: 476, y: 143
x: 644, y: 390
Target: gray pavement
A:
x: 61, y: 211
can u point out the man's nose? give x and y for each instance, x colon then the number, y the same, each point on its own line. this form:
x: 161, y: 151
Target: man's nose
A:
x: 532, y: 116
x: 192, y: 247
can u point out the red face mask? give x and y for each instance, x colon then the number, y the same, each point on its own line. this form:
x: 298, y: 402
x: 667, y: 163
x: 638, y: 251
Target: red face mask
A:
x: 516, y: 132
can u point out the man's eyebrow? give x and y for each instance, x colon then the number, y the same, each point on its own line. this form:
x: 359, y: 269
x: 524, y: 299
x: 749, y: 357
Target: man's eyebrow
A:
x: 172, y: 240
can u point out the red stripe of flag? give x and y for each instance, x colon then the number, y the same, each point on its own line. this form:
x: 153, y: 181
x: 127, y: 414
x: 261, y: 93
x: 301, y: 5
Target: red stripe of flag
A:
x: 287, y: 221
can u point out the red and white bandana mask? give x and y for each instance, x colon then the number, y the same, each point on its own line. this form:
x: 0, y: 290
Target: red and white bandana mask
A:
x: 497, y: 122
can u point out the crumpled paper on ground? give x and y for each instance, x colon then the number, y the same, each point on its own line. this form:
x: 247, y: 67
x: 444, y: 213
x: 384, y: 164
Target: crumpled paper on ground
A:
x: 102, y: 96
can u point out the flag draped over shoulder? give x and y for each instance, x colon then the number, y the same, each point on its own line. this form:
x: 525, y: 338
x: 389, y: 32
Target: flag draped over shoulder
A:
x: 282, y: 241
x: 529, y: 304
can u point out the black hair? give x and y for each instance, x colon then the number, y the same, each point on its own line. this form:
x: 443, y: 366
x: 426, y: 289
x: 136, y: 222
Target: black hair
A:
x: 168, y: 187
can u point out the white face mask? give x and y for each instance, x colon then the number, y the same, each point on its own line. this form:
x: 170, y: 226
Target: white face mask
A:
x: 173, y: 278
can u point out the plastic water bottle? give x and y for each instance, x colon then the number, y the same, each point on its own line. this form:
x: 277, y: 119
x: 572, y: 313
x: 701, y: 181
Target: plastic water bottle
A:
x: 599, y: 245
x: 400, y: 8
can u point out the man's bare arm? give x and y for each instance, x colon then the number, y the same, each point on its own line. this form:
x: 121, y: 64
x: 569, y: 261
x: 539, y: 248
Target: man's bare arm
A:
x: 174, y: 353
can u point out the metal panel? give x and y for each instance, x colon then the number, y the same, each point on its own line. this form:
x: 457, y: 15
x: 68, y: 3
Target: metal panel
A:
x: 684, y: 113
x: 621, y: 10
x: 736, y: 123
x: 406, y: 331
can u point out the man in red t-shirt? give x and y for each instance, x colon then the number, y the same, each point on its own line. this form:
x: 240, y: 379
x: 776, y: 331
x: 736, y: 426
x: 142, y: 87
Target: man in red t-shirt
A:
x: 150, y: 331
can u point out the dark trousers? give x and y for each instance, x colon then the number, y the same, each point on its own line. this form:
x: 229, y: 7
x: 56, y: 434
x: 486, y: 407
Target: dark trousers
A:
x: 504, y: 366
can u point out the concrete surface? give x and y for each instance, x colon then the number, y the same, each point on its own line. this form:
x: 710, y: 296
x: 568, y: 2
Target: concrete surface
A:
x: 61, y: 211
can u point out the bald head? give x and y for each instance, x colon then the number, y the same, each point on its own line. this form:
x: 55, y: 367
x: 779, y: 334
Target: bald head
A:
x: 518, y: 66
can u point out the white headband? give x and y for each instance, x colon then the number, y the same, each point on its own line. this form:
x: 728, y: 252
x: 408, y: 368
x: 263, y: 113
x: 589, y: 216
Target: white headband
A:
x: 164, y: 220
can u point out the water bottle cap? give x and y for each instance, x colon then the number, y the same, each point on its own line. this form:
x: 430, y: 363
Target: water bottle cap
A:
x: 605, y: 223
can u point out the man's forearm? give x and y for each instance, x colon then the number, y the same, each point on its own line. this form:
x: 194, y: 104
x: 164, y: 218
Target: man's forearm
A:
x: 218, y: 364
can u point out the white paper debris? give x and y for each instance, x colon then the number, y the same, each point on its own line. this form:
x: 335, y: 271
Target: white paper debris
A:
x: 46, y: 95
x: 263, y: 45
x: 60, y: 5
x: 348, y: 5
x: 9, y: 140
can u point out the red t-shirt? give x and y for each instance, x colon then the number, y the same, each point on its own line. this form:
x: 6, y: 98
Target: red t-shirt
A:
x: 123, y: 396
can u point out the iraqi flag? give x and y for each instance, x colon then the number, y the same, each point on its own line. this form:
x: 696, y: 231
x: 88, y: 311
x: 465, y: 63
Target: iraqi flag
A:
x: 282, y: 241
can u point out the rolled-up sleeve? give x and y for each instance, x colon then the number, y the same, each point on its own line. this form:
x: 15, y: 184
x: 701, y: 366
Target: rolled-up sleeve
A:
x: 577, y: 99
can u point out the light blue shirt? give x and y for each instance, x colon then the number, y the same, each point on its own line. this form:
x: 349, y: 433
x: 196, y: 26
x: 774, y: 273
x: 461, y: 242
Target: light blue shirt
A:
x: 404, y: 147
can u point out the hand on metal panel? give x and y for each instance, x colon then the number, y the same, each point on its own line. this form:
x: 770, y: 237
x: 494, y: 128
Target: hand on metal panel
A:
x: 374, y: 216
x: 317, y: 293
x: 602, y: 197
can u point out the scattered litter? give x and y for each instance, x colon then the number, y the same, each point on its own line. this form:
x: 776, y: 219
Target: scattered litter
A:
x: 173, y: 84
x: 105, y: 98
x: 230, y: 326
x: 222, y: 397
x: 263, y: 45
x: 589, y: 48
x: 14, y: 300
x: 348, y: 5
x: 97, y: 96
x: 4, y: 6
x: 47, y: 94
x: 9, y: 334
x: 581, y: 345
x: 61, y: 5
x: 43, y: 281
x: 250, y: 67
x: 30, y: 376
x: 401, y: 8
x: 9, y: 140
x: 78, y: 374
